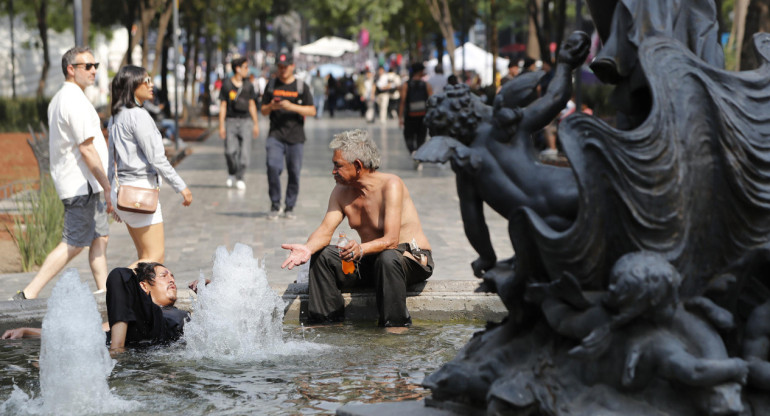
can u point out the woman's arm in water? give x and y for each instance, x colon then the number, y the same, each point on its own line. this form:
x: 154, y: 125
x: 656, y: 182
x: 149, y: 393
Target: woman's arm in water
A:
x: 18, y: 333
x: 118, y: 336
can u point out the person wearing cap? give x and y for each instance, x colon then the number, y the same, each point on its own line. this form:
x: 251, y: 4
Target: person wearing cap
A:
x: 287, y: 101
x: 238, y: 122
x: 411, y: 110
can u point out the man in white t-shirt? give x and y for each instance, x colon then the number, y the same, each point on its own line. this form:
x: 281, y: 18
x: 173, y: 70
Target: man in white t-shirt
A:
x: 437, y: 81
x: 78, y: 154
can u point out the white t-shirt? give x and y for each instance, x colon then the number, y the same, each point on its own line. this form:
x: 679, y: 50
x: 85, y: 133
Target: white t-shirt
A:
x: 437, y: 83
x: 71, y: 120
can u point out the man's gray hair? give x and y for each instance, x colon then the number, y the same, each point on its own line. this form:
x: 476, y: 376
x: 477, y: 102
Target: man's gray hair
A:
x: 69, y: 57
x: 356, y: 144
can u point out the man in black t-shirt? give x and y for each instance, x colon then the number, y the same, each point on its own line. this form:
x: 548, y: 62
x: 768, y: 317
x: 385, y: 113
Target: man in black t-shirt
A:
x: 238, y: 122
x: 140, y: 306
x: 287, y: 101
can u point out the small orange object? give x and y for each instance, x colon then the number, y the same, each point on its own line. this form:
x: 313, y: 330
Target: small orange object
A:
x: 348, y: 267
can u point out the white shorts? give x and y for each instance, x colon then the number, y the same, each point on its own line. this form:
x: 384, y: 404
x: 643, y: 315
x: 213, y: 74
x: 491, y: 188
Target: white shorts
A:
x: 134, y: 219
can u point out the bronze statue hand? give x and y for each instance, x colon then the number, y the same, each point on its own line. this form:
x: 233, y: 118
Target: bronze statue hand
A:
x: 575, y: 49
x: 481, y: 265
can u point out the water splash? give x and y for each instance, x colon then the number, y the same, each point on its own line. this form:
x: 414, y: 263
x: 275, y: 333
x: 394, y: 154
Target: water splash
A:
x: 74, y: 361
x: 238, y: 316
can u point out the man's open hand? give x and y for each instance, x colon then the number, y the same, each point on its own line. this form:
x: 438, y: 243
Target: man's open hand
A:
x: 300, y: 254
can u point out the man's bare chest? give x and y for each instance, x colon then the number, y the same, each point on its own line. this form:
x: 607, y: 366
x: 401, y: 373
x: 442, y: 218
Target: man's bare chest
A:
x: 367, y: 213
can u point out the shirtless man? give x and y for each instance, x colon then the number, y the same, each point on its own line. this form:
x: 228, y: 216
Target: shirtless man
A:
x: 378, y: 206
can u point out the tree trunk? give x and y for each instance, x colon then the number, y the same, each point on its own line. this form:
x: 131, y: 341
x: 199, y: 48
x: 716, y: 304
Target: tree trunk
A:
x: 188, y: 59
x: 130, y: 9
x: 263, y: 30
x: 737, y: 34
x: 252, y: 39
x: 164, y: 42
x: 438, y: 40
x: 533, y: 41
x: 757, y: 20
x: 443, y: 17
x: 191, y: 61
x: 146, y: 15
x: 207, y: 75
x: 561, y: 23
x: 86, y: 20
x: 41, y: 13
x: 162, y: 29
x: 11, y: 16
x: 545, y: 34
x: 493, y: 39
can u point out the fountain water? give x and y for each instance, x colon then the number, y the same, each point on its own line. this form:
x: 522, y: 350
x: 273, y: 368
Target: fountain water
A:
x: 238, y: 316
x: 239, y: 358
x: 74, y: 363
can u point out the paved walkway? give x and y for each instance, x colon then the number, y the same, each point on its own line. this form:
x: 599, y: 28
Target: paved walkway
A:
x: 223, y: 216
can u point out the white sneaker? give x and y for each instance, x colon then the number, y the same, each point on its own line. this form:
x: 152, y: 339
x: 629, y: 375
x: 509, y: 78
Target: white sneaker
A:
x: 240, y: 185
x: 273, y: 215
x: 230, y: 180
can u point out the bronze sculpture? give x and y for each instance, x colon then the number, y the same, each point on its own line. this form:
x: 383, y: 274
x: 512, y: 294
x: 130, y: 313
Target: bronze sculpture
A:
x: 645, y: 280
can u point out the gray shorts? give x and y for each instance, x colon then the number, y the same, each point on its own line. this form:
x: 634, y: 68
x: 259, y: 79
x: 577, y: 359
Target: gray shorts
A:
x: 85, y: 219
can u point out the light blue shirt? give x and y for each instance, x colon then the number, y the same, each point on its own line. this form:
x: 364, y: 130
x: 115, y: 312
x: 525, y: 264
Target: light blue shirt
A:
x: 139, y: 147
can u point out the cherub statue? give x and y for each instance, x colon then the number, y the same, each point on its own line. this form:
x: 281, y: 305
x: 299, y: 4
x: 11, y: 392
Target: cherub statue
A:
x: 641, y: 331
x: 491, y: 151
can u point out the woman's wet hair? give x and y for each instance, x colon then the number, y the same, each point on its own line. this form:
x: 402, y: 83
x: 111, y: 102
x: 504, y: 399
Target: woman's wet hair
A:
x: 145, y: 272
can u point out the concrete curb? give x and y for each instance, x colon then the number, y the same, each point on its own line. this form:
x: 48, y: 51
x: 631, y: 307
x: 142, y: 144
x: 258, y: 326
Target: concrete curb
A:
x: 438, y: 300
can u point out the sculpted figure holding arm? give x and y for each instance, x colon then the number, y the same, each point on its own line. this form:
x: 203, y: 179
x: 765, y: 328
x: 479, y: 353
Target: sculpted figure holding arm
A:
x: 378, y: 206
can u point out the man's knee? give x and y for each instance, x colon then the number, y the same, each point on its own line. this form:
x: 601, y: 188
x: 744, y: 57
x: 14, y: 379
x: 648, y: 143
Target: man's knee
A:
x: 389, y: 258
x: 325, y: 256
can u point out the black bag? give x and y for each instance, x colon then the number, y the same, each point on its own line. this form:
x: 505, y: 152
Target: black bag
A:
x: 241, y: 103
x: 416, y: 98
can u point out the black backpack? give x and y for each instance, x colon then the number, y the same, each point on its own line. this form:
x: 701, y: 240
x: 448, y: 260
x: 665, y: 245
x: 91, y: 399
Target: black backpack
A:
x: 416, y: 98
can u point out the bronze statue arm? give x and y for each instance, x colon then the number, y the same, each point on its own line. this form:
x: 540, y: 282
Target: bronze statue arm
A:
x: 756, y: 346
x: 541, y: 112
x: 677, y: 364
x: 472, y: 212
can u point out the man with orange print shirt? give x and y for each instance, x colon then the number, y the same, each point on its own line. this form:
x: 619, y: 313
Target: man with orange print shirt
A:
x: 287, y: 100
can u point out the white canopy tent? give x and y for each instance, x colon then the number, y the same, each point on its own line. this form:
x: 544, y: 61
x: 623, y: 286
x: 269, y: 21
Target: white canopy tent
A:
x: 476, y: 59
x: 329, y: 46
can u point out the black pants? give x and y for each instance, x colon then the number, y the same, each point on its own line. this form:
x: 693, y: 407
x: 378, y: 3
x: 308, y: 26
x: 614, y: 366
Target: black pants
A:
x: 389, y: 272
x: 415, y: 132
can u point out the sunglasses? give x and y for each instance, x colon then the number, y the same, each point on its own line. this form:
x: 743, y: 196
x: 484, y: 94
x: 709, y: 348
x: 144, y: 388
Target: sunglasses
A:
x: 147, y: 80
x: 89, y: 65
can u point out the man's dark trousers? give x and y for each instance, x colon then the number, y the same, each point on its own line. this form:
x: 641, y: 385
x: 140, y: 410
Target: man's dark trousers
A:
x: 389, y: 272
x: 277, y: 151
